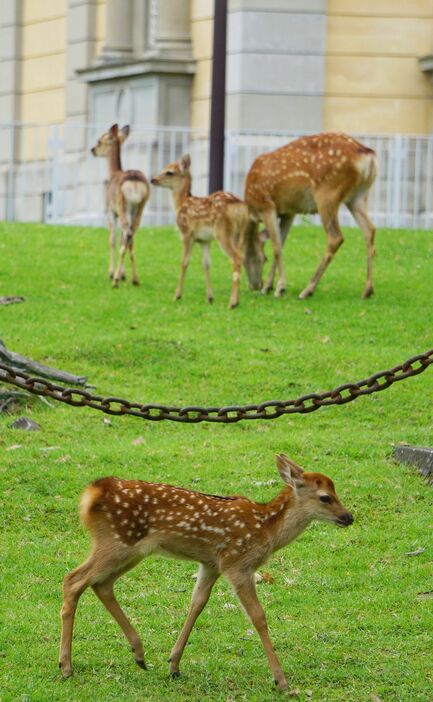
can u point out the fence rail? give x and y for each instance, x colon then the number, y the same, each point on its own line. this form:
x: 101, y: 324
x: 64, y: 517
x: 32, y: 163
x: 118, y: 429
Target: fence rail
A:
x: 48, y: 174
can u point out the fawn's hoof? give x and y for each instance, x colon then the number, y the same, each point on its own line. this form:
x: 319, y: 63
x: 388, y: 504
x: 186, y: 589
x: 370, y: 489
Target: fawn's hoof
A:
x: 175, y: 674
x: 279, y: 292
x: 368, y: 292
x: 65, y: 670
x: 136, y: 282
x: 141, y: 663
x: 282, y: 685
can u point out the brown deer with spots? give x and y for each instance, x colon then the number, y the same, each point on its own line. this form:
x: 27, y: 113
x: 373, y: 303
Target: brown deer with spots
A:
x: 311, y: 174
x: 221, y: 216
x: 126, y: 196
x: 230, y: 536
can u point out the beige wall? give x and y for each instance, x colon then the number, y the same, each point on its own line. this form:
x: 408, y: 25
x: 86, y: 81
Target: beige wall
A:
x: 202, y: 44
x: 43, y: 61
x: 373, y: 79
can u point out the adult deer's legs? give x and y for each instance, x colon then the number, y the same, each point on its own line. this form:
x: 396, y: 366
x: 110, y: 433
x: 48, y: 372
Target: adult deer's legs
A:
x: 358, y: 208
x: 205, y: 252
x: 328, y: 214
x: 187, y: 246
x: 206, y: 579
x: 271, y: 223
x: 285, y: 224
x: 245, y: 588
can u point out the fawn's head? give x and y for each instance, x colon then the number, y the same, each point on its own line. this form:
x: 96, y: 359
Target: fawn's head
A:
x: 315, y: 491
x: 175, y: 174
x: 105, y: 143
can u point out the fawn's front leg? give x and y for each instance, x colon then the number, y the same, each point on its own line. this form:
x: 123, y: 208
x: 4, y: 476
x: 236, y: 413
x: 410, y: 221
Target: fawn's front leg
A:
x: 245, y: 589
x: 188, y: 242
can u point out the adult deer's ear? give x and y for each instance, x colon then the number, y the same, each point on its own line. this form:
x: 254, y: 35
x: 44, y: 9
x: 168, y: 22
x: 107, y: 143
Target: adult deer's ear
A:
x: 185, y: 162
x: 124, y: 133
x: 290, y: 472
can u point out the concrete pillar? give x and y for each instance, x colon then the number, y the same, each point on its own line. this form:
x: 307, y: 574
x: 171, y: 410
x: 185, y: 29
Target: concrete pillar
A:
x: 10, y: 44
x: 119, y: 31
x: 276, y: 64
x: 169, y: 25
x: 10, y: 79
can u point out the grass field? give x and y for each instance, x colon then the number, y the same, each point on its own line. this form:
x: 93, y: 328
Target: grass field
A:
x: 348, y: 611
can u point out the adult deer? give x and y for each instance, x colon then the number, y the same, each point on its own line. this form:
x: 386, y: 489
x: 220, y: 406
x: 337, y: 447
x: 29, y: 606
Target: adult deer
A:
x: 220, y: 216
x: 232, y: 536
x: 126, y: 195
x: 311, y: 174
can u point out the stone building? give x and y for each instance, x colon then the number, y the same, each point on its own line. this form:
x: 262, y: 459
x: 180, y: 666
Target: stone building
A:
x: 292, y: 66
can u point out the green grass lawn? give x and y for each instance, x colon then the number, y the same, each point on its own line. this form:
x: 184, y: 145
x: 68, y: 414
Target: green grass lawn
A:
x: 346, y: 611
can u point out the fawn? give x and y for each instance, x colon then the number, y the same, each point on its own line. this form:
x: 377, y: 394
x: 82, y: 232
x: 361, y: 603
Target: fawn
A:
x: 220, y: 216
x: 126, y: 195
x: 311, y: 174
x: 232, y: 536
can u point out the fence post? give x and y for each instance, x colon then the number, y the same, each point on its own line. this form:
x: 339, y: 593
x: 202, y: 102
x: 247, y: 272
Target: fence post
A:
x: 55, y: 144
x: 396, y: 157
x: 10, y: 187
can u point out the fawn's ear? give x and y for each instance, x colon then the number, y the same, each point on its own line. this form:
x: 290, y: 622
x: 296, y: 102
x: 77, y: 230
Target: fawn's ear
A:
x: 113, y: 130
x: 290, y: 472
x: 124, y: 133
x: 185, y: 162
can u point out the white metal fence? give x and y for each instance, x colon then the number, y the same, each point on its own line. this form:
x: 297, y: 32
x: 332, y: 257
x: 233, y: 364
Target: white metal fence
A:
x: 47, y: 172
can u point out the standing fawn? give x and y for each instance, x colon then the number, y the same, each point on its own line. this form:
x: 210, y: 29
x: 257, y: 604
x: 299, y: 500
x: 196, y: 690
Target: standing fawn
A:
x: 126, y: 195
x: 312, y: 174
x: 221, y: 216
x: 233, y: 536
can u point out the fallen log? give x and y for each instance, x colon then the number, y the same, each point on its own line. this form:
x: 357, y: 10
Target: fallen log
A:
x: 18, y: 362
x: 11, y: 299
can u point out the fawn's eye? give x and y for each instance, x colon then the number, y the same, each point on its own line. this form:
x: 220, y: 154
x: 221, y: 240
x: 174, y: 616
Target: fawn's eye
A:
x: 169, y: 173
x: 325, y: 498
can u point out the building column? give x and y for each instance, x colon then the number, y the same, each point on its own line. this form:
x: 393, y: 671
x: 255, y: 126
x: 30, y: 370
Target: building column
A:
x: 118, y: 44
x: 10, y: 79
x: 170, y: 25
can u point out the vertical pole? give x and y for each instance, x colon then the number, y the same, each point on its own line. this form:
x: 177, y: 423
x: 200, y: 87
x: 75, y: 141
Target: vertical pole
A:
x: 216, y: 147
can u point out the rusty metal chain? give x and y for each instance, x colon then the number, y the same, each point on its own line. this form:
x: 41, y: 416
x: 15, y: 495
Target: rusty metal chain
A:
x: 347, y: 392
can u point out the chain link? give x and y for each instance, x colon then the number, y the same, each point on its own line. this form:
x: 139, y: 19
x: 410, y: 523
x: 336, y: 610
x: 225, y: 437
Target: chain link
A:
x: 193, y: 414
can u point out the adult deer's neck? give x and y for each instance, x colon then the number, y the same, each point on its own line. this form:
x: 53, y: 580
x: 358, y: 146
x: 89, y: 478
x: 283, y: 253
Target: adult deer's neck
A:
x: 114, y: 163
x: 182, y: 192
